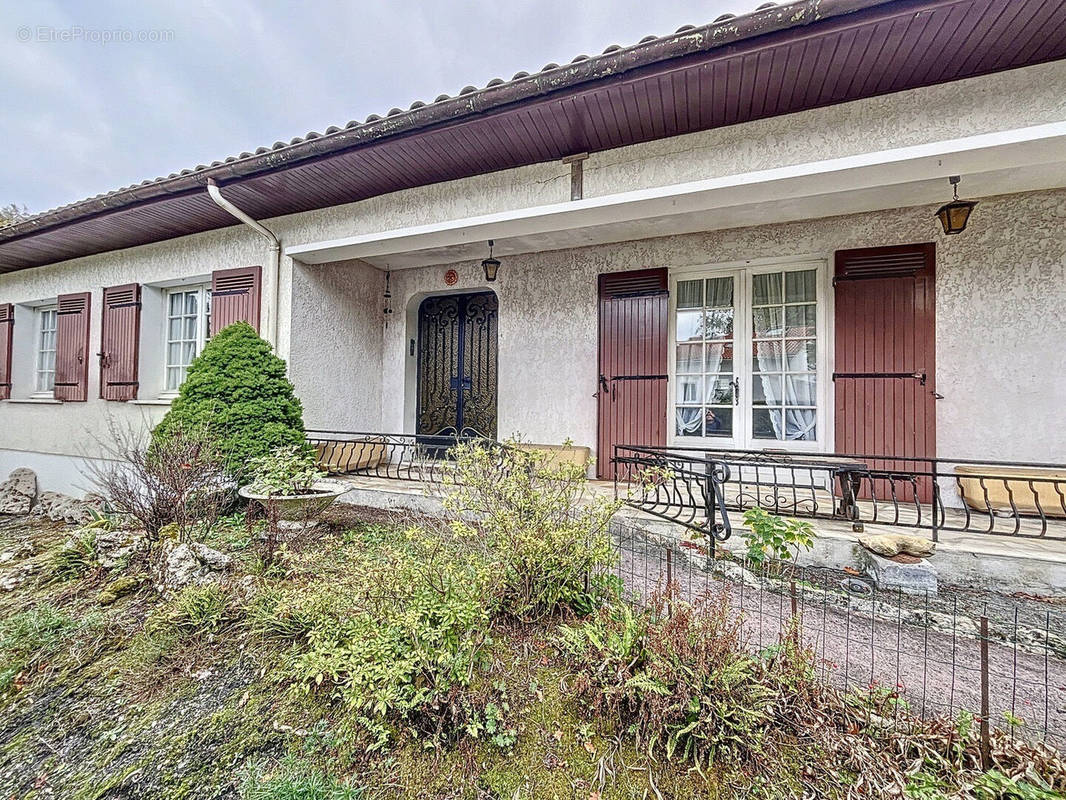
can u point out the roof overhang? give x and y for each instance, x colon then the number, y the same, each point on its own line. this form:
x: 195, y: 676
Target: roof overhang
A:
x: 777, y: 60
x: 1024, y: 159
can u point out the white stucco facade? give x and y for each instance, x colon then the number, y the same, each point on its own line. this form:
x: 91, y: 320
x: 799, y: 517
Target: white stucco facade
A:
x: 1001, y: 286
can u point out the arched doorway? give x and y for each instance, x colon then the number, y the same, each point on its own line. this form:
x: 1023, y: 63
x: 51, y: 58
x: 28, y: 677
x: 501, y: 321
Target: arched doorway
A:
x: 457, y: 358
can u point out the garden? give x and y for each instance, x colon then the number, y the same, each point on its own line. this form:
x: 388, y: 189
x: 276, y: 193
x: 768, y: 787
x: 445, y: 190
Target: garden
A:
x: 217, y: 625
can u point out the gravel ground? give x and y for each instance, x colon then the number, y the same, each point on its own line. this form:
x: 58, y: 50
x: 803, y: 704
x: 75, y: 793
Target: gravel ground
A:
x: 936, y: 665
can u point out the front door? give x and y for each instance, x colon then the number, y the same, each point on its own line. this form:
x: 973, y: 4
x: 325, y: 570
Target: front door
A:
x: 633, y: 365
x: 885, y: 372
x: 457, y: 365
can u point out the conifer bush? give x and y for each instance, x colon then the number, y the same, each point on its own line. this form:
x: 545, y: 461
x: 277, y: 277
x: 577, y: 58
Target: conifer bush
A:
x: 237, y: 390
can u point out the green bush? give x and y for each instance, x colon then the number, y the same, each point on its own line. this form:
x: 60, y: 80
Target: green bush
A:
x: 548, y: 541
x: 237, y: 389
x: 771, y: 536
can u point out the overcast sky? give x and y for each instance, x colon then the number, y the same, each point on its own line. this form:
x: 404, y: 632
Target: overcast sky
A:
x: 80, y: 115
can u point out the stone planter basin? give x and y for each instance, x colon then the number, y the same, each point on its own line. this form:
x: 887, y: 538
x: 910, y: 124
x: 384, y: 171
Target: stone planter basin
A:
x: 1003, y: 489
x: 299, y: 508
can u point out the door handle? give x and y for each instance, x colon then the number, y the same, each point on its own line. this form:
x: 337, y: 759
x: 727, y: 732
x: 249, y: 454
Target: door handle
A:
x: 736, y: 391
x: 604, y: 385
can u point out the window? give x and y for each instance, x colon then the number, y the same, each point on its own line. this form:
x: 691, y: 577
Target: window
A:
x: 746, y: 370
x: 44, y: 382
x: 188, y: 319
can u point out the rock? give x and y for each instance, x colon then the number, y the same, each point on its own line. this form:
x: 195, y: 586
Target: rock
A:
x: 19, y: 492
x: 730, y: 570
x: 113, y: 547
x: 889, y: 575
x: 190, y: 563
x: 891, y: 544
x: 18, y: 576
x: 119, y: 587
x: 64, y: 508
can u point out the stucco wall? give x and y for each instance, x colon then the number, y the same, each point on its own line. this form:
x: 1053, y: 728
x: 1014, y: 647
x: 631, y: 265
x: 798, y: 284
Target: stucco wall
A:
x: 547, y: 302
x: 1001, y: 321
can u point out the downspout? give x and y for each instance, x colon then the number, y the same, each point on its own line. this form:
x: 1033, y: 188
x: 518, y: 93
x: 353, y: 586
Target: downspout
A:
x: 275, y: 253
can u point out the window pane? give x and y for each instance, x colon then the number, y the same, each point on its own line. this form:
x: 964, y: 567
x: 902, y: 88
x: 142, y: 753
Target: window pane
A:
x: 689, y: 389
x: 690, y: 294
x: 720, y: 293
x: 719, y: 390
x: 801, y: 320
x: 766, y: 390
x: 174, y: 354
x: 767, y: 357
x: 800, y: 390
x: 767, y: 321
x: 719, y: 357
x: 801, y: 355
x: 190, y: 328
x: 766, y: 423
x: 175, y: 304
x: 766, y: 289
x: 191, y: 302
x: 690, y: 357
x: 800, y: 287
x: 189, y: 353
x: 800, y: 424
x: 718, y: 421
x: 689, y: 326
x: 719, y: 324
x: 689, y: 421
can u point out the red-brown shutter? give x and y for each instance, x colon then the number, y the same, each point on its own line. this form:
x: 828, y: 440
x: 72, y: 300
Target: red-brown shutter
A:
x: 7, y: 327
x: 120, y: 342
x: 72, y: 347
x: 634, y: 353
x: 235, y: 297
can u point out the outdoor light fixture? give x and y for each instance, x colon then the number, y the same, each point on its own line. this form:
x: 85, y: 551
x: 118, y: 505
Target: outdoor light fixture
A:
x: 955, y: 214
x: 490, y: 265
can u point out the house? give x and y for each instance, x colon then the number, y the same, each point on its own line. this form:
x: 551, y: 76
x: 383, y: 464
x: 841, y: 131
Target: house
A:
x: 724, y: 238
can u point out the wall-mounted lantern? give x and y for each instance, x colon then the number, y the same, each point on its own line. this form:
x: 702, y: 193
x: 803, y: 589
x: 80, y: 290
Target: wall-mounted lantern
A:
x: 955, y: 214
x: 490, y: 265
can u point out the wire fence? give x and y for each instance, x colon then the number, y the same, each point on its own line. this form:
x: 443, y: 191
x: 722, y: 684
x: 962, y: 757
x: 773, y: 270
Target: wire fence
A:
x: 1001, y: 659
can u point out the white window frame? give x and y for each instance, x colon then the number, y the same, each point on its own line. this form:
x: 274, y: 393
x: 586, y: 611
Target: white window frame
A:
x: 742, y: 272
x: 203, y: 322
x: 38, y: 352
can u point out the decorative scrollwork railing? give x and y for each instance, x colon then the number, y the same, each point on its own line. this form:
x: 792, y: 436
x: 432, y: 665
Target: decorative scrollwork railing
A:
x: 934, y: 494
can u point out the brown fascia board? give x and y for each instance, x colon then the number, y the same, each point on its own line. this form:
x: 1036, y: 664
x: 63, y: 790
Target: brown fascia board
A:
x: 465, y: 106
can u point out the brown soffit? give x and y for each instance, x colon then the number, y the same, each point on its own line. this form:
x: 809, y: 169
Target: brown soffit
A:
x: 777, y: 60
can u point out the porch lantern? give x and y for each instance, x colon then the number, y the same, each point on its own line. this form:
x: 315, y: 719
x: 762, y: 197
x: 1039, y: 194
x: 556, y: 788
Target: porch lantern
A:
x: 490, y: 265
x: 955, y: 214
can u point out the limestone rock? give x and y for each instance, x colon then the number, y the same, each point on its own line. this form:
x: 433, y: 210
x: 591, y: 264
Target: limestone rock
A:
x: 19, y: 492
x: 63, y: 508
x: 119, y: 587
x: 114, y: 546
x: 891, y: 544
x: 734, y: 572
x: 190, y: 563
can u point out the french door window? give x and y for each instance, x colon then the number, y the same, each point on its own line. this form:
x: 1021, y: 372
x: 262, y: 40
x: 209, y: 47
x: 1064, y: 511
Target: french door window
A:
x: 46, y: 351
x: 746, y: 369
x: 188, y: 319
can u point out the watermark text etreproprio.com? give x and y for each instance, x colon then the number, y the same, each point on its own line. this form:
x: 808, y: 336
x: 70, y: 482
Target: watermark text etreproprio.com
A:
x: 78, y: 33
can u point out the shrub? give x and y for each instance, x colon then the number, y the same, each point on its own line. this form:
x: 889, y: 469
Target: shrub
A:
x: 286, y: 470
x: 771, y: 536
x: 237, y: 390
x: 546, y: 536
x: 76, y: 557
x: 680, y: 676
x: 179, y: 479
x: 197, y: 611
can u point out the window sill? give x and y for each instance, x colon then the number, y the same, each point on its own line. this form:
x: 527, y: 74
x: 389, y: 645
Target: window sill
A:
x: 153, y: 401
x: 46, y: 401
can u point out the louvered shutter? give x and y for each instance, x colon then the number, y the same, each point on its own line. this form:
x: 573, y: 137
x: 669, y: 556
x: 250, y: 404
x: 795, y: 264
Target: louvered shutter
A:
x: 120, y: 342
x: 7, y: 328
x: 235, y: 297
x: 72, y: 347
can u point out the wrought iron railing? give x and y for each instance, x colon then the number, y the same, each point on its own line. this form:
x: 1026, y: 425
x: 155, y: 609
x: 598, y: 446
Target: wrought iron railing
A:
x: 397, y: 456
x: 934, y: 494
